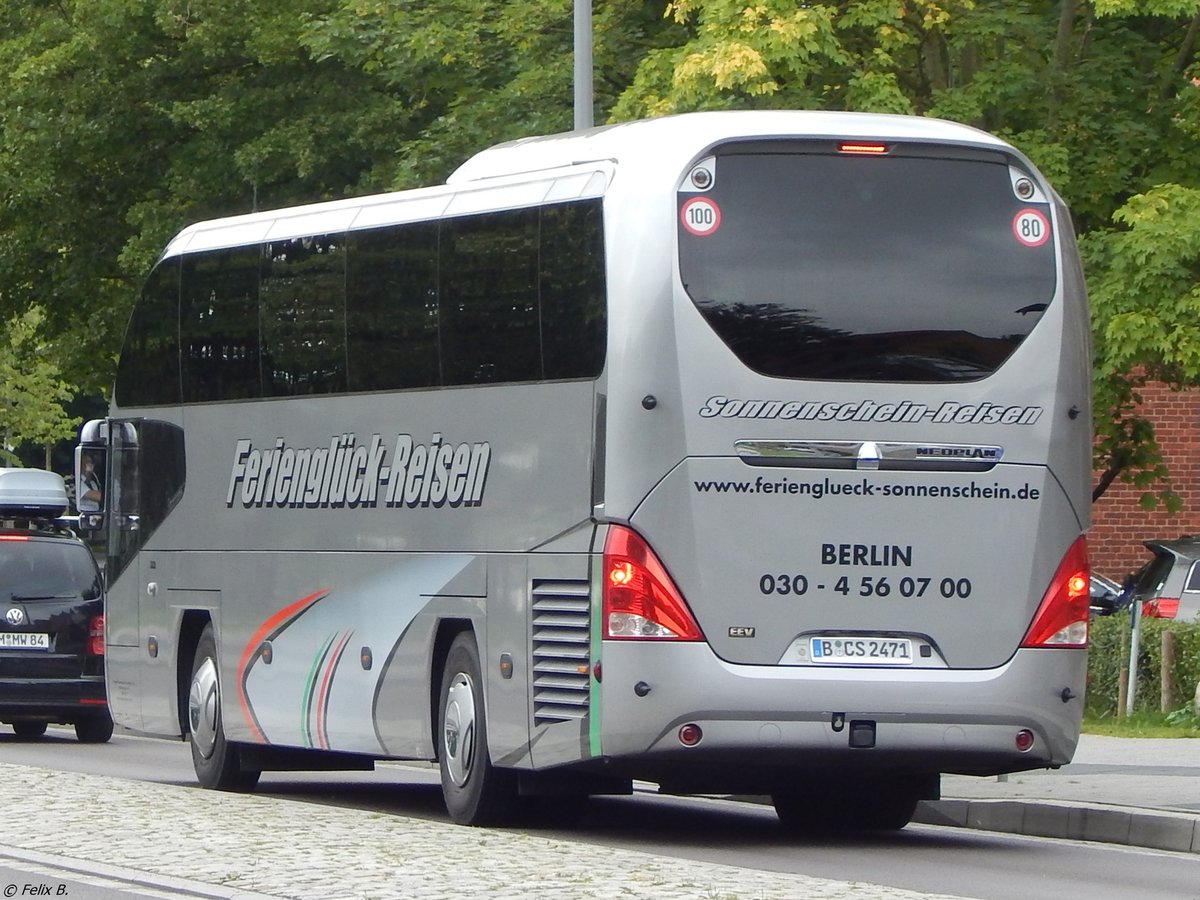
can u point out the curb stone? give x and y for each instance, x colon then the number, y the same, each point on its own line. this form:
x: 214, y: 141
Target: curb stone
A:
x: 1155, y: 829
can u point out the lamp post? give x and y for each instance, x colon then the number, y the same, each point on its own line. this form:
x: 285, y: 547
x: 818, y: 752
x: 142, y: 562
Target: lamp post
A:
x: 583, y: 64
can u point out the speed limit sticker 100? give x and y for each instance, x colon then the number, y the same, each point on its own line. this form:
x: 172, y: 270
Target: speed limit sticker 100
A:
x: 700, y: 216
x: 1031, y: 227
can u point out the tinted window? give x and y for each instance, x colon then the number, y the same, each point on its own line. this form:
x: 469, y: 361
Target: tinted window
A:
x: 1193, y: 580
x: 149, y: 470
x: 40, y: 568
x: 572, y: 290
x: 851, y: 268
x: 219, y: 325
x: 489, y: 298
x: 511, y: 296
x: 392, y: 308
x: 148, y: 373
x: 1149, y: 579
x: 303, y: 316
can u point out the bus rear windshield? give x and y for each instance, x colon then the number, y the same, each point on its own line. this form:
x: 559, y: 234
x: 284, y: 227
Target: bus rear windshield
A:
x: 899, y: 268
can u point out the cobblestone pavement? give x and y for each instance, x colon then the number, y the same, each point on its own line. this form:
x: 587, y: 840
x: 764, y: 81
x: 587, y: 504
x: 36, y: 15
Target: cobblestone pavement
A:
x: 250, y: 846
x: 175, y: 841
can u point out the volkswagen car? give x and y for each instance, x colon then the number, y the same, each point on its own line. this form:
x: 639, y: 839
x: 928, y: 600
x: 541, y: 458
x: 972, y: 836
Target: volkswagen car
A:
x: 51, y: 614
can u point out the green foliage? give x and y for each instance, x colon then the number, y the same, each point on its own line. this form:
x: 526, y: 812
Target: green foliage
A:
x: 32, y: 392
x: 1145, y: 294
x: 1104, y: 98
x: 1139, y: 725
x: 1185, y: 717
x: 472, y: 73
x: 1109, y: 653
x: 1145, y: 7
x: 123, y: 120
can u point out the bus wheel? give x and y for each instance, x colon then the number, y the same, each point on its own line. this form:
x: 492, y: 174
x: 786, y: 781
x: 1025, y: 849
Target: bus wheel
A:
x: 95, y: 730
x: 846, y: 808
x: 476, y: 792
x: 217, y: 761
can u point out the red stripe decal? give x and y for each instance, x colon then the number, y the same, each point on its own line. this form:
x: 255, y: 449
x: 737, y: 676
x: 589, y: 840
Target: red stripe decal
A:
x: 271, y: 626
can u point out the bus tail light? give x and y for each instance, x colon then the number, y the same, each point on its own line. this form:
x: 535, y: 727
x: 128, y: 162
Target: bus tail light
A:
x: 95, y: 641
x: 1161, y: 608
x: 640, y: 601
x: 1062, y: 618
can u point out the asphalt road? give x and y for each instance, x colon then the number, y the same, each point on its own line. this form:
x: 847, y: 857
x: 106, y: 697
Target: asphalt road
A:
x: 926, y: 859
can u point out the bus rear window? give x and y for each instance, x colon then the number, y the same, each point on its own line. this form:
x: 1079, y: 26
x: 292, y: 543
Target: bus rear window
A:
x: 896, y: 268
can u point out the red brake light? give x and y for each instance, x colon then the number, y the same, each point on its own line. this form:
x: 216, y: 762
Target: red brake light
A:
x: 868, y: 148
x: 14, y: 537
x: 1161, y: 608
x: 95, y: 643
x: 640, y: 601
x: 1062, y: 617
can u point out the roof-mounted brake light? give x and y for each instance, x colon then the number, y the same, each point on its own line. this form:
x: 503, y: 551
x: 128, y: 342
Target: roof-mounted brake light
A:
x: 863, y: 148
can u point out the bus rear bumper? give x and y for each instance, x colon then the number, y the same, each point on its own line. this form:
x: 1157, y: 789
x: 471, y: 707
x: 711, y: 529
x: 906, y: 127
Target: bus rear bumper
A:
x: 763, y: 722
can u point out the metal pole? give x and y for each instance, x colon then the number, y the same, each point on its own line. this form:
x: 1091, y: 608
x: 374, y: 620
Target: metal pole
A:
x: 583, y: 64
x: 1135, y: 640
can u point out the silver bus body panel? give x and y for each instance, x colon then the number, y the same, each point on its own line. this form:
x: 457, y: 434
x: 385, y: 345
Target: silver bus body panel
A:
x: 790, y: 716
x: 380, y: 566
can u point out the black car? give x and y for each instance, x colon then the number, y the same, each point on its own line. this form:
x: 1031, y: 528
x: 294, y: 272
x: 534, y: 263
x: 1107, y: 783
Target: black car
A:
x: 1106, y: 596
x: 51, y: 614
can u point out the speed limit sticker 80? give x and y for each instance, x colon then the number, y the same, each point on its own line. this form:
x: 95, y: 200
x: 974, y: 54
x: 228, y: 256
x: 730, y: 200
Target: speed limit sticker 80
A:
x: 1031, y: 227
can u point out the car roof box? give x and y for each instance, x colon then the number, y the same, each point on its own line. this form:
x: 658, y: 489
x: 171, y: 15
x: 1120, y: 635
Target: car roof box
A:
x: 32, y: 493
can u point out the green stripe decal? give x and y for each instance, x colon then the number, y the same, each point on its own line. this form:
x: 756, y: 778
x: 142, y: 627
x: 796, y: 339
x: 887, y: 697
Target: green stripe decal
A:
x: 309, y: 687
x: 593, y: 685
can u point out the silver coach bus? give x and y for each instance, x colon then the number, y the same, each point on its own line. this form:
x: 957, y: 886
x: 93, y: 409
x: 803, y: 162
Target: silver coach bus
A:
x: 728, y: 451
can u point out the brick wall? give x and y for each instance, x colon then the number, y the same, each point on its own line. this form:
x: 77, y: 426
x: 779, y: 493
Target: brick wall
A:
x: 1119, y: 525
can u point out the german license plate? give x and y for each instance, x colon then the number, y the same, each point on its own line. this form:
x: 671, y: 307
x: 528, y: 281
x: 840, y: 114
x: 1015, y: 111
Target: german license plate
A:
x: 10, y: 640
x: 877, y: 651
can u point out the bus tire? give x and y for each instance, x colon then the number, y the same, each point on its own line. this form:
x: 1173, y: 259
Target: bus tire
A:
x: 846, y: 808
x: 216, y: 760
x: 94, y: 730
x: 475, y: 791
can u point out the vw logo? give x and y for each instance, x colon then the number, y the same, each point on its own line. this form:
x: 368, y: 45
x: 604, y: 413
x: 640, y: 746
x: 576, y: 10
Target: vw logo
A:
x: 15, y: 617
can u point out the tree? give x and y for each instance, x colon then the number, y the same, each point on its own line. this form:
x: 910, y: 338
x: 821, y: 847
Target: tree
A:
x: 122, y: 120
x: 1146, y: 299
x: 1104, y: 97
x: 32, y: 391
x: 482, y: 71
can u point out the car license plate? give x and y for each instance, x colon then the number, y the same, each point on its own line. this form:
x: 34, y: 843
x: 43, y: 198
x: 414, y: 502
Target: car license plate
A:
x: 876, y: 651
x: 18, y: 641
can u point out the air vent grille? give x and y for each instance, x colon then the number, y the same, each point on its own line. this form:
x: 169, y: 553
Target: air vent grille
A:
x: 561, y: 651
